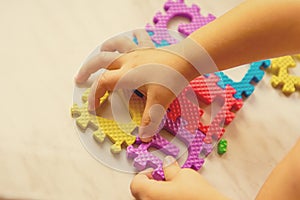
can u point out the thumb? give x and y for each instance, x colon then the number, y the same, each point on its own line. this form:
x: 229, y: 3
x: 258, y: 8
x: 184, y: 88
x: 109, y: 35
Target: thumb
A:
x: 151, y: 120
x: 171, y: 168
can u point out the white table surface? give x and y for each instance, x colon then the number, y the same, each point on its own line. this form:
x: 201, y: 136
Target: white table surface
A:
x: 42, y: 45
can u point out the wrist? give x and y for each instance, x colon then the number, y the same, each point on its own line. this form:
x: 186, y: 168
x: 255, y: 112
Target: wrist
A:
x: 195, y: 55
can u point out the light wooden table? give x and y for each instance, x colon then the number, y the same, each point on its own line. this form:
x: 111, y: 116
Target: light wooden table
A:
x: 42, y: 45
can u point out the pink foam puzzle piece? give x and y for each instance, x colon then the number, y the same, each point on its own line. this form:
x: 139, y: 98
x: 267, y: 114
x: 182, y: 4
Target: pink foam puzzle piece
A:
x: 143, y: 158
x: 208, y: 91
x: 173, y: 9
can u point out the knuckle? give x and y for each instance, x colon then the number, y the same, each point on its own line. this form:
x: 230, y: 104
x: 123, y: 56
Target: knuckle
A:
x: 146, y: 120
x: 135, y: 189
x: 103, y: 81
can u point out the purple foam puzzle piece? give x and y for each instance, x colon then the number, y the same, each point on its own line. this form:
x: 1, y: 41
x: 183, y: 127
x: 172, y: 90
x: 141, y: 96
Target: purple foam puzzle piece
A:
x: 194, y: 149
x: 173, y: 9
x: 160, y: 35
x: 144, y: 159
x: 194, y: 142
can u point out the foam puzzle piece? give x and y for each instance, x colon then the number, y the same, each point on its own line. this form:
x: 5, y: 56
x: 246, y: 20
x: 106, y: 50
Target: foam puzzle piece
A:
x: 85, y: 95
x: 207, y: 90
x: 281, y: 77
x: 160, y: 35
x: 297, y: 56
x: 136, y: 108
x: 222, y: 146
x: 173, y: 9
x: 162, y: 43
x: 194, y: 142
x: 245, y: 87
x: 83, y: 117
x: 118, y: 133
x: 143, y: 158
x: 183, y: 107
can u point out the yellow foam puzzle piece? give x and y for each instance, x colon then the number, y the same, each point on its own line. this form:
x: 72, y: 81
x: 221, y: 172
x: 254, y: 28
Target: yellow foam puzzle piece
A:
x: 136, y: 109
x: 85, y: 95
x: 84, y: 118
x: 118, y: 133
x: 297, y: 56
x: 281, y: 75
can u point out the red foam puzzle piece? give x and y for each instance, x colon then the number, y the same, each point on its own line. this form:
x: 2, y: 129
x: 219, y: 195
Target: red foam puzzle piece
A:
x: 183, y: 107
x: 208, y: 91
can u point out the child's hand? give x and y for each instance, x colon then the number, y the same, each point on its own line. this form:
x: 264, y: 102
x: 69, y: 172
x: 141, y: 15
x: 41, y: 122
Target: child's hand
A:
x: 152, y: 71
x: 180, y: 184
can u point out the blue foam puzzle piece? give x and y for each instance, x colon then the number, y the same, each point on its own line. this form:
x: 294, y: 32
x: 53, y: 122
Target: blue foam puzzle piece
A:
x: 245, y: 87
x: 157, y: 45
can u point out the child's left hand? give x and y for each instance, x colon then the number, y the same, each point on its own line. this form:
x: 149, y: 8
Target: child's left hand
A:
x: 180, y: 184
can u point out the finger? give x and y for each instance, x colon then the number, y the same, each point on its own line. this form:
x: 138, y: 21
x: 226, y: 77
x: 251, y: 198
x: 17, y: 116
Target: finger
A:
x: 105, y: 82
x: 121, y: 44
x: 142, y: 187
x: 143, y: 38
x: 148, y: 173
x: 152, y: 117
x: 171, y: 168
x: 157, y: 102
x: 102, y: 60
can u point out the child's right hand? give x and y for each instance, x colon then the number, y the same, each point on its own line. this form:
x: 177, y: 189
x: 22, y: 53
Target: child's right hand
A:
x: 159, y: 74
x: 180, y: 184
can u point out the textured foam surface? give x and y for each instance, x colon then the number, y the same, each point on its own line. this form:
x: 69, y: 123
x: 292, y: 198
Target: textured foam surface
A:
x: 208, y: 91
x: 143, y: 158
x: 173, y: 9
x: 245, y: 86
x: 118, y: 133
x: 282, y: 78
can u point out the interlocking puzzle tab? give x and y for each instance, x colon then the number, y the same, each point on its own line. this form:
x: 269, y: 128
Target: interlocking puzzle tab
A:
x: 282, y: 78
x: 245, y: 87
x: 84, y: 118
x: 173, y: 9
x: 118, y: 133
x: 143, y: 158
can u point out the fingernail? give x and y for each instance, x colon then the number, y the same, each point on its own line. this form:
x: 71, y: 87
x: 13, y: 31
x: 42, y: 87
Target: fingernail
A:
x: 91, y: 107
x: 144, y: 136
x: 147, y: 171
x: 168, y: 161
x: 146, y: 131
x: 76, y: 77
x: 142, y: 132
